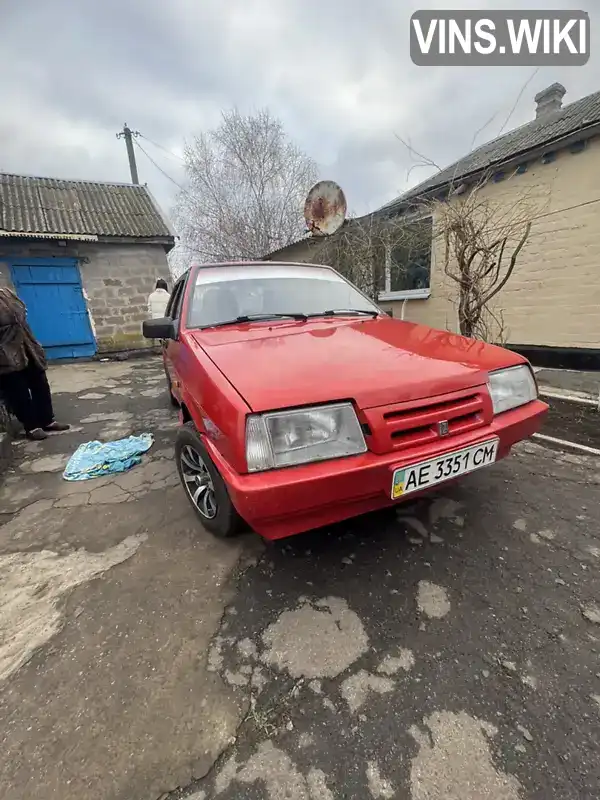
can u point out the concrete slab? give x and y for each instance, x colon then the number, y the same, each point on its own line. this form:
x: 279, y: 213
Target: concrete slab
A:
x: 448, y: 651
x: 110, y: 594
x: 586, y: 384
x: 458, y: 668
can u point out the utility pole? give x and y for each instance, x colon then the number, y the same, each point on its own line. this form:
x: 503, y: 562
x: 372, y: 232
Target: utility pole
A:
x: 128, y: 135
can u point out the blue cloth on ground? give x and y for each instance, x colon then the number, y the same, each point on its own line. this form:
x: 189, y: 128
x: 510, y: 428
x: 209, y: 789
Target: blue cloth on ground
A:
x: 96, y: 459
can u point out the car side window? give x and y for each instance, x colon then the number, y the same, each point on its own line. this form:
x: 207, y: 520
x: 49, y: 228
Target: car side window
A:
x: 171, y: 302
x: 174, y: 307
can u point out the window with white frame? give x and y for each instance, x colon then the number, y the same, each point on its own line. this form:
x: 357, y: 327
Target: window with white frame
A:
x: 408, y: 262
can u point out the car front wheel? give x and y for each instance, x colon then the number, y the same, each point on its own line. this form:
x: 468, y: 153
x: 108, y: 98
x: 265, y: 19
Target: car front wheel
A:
x: 204, y: 486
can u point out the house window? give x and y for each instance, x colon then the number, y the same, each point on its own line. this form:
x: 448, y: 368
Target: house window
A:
x: 408, y: 264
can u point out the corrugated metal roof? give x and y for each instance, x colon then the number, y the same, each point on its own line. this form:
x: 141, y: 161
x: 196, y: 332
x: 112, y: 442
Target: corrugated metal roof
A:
x: 307, y: 237
x: 31, y: 205
x: 570, y: 119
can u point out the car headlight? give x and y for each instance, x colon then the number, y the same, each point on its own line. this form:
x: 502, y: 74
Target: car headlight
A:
x: 512, y: 387
x: 299, y: 436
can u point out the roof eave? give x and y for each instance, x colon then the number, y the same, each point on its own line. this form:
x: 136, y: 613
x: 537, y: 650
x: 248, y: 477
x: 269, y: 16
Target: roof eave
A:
x: 73, y: 237
x: 589, y: 132
x: 311, y: 238
x: 161, y: 213
x: 168, y: 242
x: 269, y: 256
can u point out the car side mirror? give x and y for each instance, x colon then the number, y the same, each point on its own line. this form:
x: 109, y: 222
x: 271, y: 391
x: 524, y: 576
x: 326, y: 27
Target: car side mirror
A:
x: 162, y: 328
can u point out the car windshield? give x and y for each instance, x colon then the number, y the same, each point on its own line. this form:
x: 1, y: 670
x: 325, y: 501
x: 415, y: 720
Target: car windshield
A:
x: 223, y: 295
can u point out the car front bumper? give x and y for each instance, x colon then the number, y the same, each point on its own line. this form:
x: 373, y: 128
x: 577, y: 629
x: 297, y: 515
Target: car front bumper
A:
x: 281, y: 503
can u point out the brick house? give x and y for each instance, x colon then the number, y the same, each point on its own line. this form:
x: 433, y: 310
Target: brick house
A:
x: 83, y: 256
x: 551, y: 304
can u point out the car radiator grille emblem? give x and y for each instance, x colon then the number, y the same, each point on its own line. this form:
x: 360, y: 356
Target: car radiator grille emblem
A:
x: 443, y: 428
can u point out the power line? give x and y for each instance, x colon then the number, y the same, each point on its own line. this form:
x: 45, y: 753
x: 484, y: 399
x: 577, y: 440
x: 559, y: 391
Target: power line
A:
x: 160, y: 147
x: 160, y: 169
x: 525, y: 220
x: 554, y: 231
x: 567, y: 208
x: 510, y: 113
x: 558, y: 211
x: 531, y: 219
x: 516, y: 103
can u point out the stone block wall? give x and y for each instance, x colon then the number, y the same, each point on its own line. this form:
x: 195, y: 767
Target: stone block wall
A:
x: 116, y: 278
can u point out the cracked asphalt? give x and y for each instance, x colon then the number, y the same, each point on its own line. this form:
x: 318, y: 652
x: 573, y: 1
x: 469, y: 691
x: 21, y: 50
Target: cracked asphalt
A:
x: 447, y: 651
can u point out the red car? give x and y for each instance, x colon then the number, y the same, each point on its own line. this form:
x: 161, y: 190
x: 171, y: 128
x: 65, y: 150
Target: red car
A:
x: 304, y: 404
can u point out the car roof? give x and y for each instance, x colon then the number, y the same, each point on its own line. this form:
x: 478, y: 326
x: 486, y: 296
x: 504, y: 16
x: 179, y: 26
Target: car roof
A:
x: 258, y: 264
x: 196, y: 268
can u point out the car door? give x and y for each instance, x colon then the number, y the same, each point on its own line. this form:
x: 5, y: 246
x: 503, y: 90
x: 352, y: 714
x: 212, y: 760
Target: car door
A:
x: 171, y: 346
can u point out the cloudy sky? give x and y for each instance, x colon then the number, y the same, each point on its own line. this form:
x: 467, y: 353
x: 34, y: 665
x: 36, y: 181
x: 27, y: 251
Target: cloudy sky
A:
x: 338, y: 74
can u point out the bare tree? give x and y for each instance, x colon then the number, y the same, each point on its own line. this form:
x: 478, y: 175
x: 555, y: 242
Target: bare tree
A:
x: 355, y: 250
x: 482, y: 241
x: 246, y: 183
x: 365, y: 248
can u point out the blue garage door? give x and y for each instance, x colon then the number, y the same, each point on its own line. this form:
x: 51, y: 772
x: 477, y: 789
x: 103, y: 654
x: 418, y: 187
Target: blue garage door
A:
x: 56, y: 308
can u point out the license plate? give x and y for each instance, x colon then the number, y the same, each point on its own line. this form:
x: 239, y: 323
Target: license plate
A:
x: 443, y: 468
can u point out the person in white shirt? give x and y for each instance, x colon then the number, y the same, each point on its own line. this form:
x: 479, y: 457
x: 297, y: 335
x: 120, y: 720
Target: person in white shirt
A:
x: 158, y: 299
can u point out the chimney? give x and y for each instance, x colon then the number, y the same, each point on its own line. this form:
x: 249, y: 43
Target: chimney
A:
x: 549, y: 100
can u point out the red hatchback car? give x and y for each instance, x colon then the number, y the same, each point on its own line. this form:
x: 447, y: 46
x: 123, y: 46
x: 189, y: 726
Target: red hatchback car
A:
x: 304, y: 404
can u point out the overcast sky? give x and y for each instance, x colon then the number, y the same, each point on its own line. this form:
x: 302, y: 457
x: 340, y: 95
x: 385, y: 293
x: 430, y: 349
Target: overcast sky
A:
x: 338, y: 74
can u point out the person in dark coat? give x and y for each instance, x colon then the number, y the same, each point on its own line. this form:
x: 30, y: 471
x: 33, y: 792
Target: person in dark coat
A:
x: 23, y: 382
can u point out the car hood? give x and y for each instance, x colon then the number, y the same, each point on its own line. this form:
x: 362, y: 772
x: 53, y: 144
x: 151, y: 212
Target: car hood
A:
x: 374, y: 362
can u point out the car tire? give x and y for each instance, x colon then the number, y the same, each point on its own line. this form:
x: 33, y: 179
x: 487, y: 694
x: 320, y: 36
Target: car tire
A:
x: 212, y: 504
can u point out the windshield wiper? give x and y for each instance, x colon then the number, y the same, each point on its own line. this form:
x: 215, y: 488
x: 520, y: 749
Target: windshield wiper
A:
x: 346, y: 312
x: 257, y: 318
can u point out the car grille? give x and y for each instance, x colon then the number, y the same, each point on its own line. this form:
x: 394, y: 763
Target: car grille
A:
x: 403, y: 425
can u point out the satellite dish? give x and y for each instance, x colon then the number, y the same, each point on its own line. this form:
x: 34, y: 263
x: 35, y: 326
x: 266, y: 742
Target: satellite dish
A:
x: 325, y: 208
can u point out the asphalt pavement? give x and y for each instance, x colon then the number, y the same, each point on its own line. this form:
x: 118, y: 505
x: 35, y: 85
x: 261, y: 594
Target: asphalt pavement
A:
x: 450, y: 652
x: 446, y: 651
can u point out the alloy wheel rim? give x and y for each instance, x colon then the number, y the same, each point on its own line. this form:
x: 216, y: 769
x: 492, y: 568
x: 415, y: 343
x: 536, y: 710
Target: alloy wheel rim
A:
x: 198, y: 482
